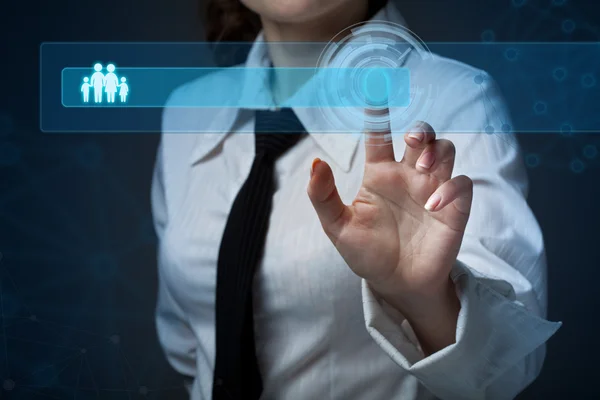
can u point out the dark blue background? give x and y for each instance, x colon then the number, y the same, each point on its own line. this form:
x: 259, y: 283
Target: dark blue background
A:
x: 78, y: 269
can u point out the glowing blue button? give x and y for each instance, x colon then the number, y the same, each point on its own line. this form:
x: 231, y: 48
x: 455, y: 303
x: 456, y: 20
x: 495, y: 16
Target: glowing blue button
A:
x: 375, y: 86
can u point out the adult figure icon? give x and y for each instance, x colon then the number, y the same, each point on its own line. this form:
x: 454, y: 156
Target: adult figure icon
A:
x: 97, y: 82
x: 111, y: 82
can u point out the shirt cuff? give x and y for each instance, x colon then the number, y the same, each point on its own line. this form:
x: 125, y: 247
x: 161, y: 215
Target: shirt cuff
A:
x: 494, y: 332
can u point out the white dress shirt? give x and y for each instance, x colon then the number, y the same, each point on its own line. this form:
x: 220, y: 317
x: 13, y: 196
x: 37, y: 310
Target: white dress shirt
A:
x: 321, y: 333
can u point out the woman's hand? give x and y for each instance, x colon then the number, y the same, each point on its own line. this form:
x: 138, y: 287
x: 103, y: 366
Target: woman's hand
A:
x: 403, y: 231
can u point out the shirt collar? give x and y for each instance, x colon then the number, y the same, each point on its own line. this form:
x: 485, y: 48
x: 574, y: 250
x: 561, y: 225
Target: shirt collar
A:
x: 340, y: 147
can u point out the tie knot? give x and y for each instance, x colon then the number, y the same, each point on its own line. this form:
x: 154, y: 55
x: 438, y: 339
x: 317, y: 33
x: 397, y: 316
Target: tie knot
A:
x: 277, y: 131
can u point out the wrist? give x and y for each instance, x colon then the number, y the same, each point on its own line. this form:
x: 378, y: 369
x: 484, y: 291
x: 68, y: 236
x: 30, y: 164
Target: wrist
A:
x: 418, y: 302
x: 432, y: 314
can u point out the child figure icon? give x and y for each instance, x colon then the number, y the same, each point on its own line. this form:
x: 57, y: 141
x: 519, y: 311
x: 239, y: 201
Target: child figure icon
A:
x: 123, y: 90
x: 85, y: 89
x: 107, y: 83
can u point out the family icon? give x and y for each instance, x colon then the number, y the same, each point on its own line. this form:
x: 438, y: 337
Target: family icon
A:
x: 104, y: 83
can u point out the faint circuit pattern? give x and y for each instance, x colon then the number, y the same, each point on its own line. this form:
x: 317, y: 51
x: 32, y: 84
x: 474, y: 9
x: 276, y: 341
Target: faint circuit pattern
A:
x: 47, y: 359
x: 377, y: 44
x: 551, y: 20
x: 60, y: 328
x: 53, y: 347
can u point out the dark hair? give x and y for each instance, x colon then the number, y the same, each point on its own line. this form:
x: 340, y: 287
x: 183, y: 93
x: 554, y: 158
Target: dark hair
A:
x: 230, y: 21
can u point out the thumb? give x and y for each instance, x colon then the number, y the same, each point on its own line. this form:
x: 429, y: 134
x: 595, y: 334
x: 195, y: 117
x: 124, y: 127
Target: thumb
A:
x: 323, y: 194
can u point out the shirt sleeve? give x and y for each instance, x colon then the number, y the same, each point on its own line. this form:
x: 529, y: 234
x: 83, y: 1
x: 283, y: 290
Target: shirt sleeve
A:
x: 500, y: 274
x: 173, y: 329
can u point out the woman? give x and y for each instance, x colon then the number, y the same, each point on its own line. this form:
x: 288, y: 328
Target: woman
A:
x: 111, y: 82
x: 392, y: 297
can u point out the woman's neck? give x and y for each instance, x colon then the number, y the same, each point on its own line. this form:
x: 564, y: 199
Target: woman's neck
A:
x: 309, y: 40
x: 313, y: 34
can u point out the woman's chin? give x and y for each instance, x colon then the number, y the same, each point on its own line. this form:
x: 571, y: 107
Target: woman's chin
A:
x: 292, y: 11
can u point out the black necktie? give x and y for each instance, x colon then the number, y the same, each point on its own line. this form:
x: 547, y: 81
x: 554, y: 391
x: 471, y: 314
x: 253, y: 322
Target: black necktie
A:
x: 236, y: 374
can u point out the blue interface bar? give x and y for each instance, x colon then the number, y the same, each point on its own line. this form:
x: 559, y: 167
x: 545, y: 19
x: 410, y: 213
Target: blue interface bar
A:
x: 235, y: 87
x: 548, y: 87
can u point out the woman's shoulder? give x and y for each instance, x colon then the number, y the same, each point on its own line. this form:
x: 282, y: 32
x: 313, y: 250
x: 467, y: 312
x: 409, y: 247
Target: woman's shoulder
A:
x: 464, y: 96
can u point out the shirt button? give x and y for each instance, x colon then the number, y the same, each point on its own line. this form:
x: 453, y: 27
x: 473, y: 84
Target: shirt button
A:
x: 219, y: 381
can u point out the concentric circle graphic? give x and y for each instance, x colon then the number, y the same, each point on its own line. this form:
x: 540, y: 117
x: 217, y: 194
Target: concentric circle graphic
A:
x: 362, y: 48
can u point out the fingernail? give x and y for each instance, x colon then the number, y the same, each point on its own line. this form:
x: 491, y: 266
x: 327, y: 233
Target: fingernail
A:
x: 313, y: 165
x: 433, y: 202
x: 416, y: 135
x: 426, y: 160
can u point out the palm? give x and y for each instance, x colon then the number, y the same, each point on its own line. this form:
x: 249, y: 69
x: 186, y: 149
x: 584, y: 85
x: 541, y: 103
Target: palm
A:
x: 392, y: 237
x: 387, y: 236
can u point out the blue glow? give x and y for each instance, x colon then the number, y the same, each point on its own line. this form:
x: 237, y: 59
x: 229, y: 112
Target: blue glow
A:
x: 559, y: 73
x: 577, y: 166
x: 240, y: 87
x: 376, y: 85
x: 540, y: 107
x: 537, y: 74
x: 588, y: 80
x: 566, y: 129
x: 590, y: 151
x: 488, y: 36
x: 568, y: 26
x: 511, y: 54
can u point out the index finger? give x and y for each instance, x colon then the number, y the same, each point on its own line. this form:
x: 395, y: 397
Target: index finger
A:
x: 378, y: 142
